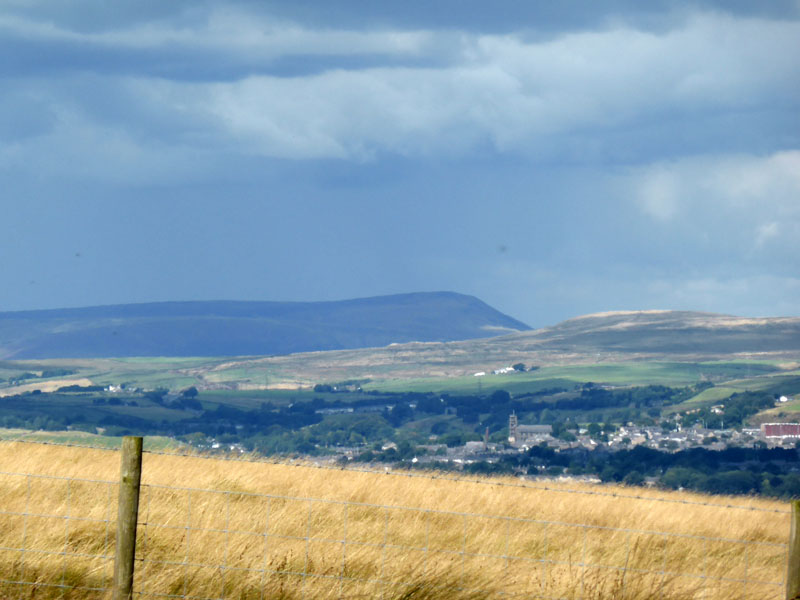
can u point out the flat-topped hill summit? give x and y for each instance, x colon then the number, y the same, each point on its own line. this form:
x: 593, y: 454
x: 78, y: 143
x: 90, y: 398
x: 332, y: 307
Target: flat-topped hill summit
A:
x: 227, y: 328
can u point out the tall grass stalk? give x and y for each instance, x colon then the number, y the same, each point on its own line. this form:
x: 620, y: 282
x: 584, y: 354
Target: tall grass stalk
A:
x: 219, y: 529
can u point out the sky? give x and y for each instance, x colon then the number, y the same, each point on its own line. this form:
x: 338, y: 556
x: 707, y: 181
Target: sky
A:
x: 551, y: 158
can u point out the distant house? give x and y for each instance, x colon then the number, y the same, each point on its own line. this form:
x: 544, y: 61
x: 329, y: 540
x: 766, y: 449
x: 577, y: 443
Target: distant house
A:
x: 472, y: 447
x: 503, y: 371
x: 334, y: 411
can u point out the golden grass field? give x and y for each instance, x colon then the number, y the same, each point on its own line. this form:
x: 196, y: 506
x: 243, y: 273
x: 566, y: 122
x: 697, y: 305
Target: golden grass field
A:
x: 291, y: 531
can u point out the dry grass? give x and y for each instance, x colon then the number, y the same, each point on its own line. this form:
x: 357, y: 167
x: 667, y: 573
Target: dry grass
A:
x: 284, y: 531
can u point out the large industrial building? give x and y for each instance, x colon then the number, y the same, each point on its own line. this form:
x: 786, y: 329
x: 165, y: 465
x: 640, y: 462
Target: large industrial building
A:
x: 781, y: 430
x: 526, y: 435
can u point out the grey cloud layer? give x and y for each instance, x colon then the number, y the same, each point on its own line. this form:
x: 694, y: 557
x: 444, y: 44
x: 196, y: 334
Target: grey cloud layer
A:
x: 513, y: 95
x: 563, y: 97
x: 463, y: 15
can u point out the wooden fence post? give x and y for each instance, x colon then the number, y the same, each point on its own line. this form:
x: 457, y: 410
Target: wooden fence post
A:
x: 127, y: 515
x: 793, y: 569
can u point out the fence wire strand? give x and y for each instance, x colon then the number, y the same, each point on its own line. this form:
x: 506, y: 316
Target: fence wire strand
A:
x: 306, y: 508
x: 430, y: 475
x: 54, y: 536
x: 242, y: 538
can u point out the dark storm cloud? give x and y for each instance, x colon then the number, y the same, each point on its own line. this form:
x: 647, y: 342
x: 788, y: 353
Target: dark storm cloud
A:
x: 511, y: 15
x: 188, y: 59
x: 93, y: 16
x: 575, y: 98
x: 182, y: 40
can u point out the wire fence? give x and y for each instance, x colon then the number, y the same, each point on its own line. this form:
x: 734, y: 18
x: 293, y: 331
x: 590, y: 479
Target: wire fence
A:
x: 57, y: 537
x: 429, y: 474
x: 234, y: 541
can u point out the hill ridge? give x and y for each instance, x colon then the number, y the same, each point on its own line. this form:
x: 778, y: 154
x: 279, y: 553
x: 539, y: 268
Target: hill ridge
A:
x: 242, y: 327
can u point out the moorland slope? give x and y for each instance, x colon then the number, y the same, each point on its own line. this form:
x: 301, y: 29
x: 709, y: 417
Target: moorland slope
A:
x: 666, y: 332
x: 607, y: 338
x: 619, y: 338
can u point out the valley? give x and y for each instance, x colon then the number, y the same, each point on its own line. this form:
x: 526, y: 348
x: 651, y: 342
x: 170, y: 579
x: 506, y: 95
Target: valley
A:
x: 601, y: 383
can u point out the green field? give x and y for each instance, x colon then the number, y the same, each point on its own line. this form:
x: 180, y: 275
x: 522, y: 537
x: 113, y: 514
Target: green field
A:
x: 293, y: 420
x: 81, y: 438
x: 177, y: 374
x: 674, y: 374
x: 180, y: 373
x: 781, y: 382
x: 519, y: 383
x: 82, y: 407
x: 792, y: 408
x: 705, y: 398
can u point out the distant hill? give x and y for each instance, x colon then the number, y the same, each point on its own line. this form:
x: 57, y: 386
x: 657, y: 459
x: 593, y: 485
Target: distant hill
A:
x: 664, y: 332
x: 228, y: 328
x: 606, y: 338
